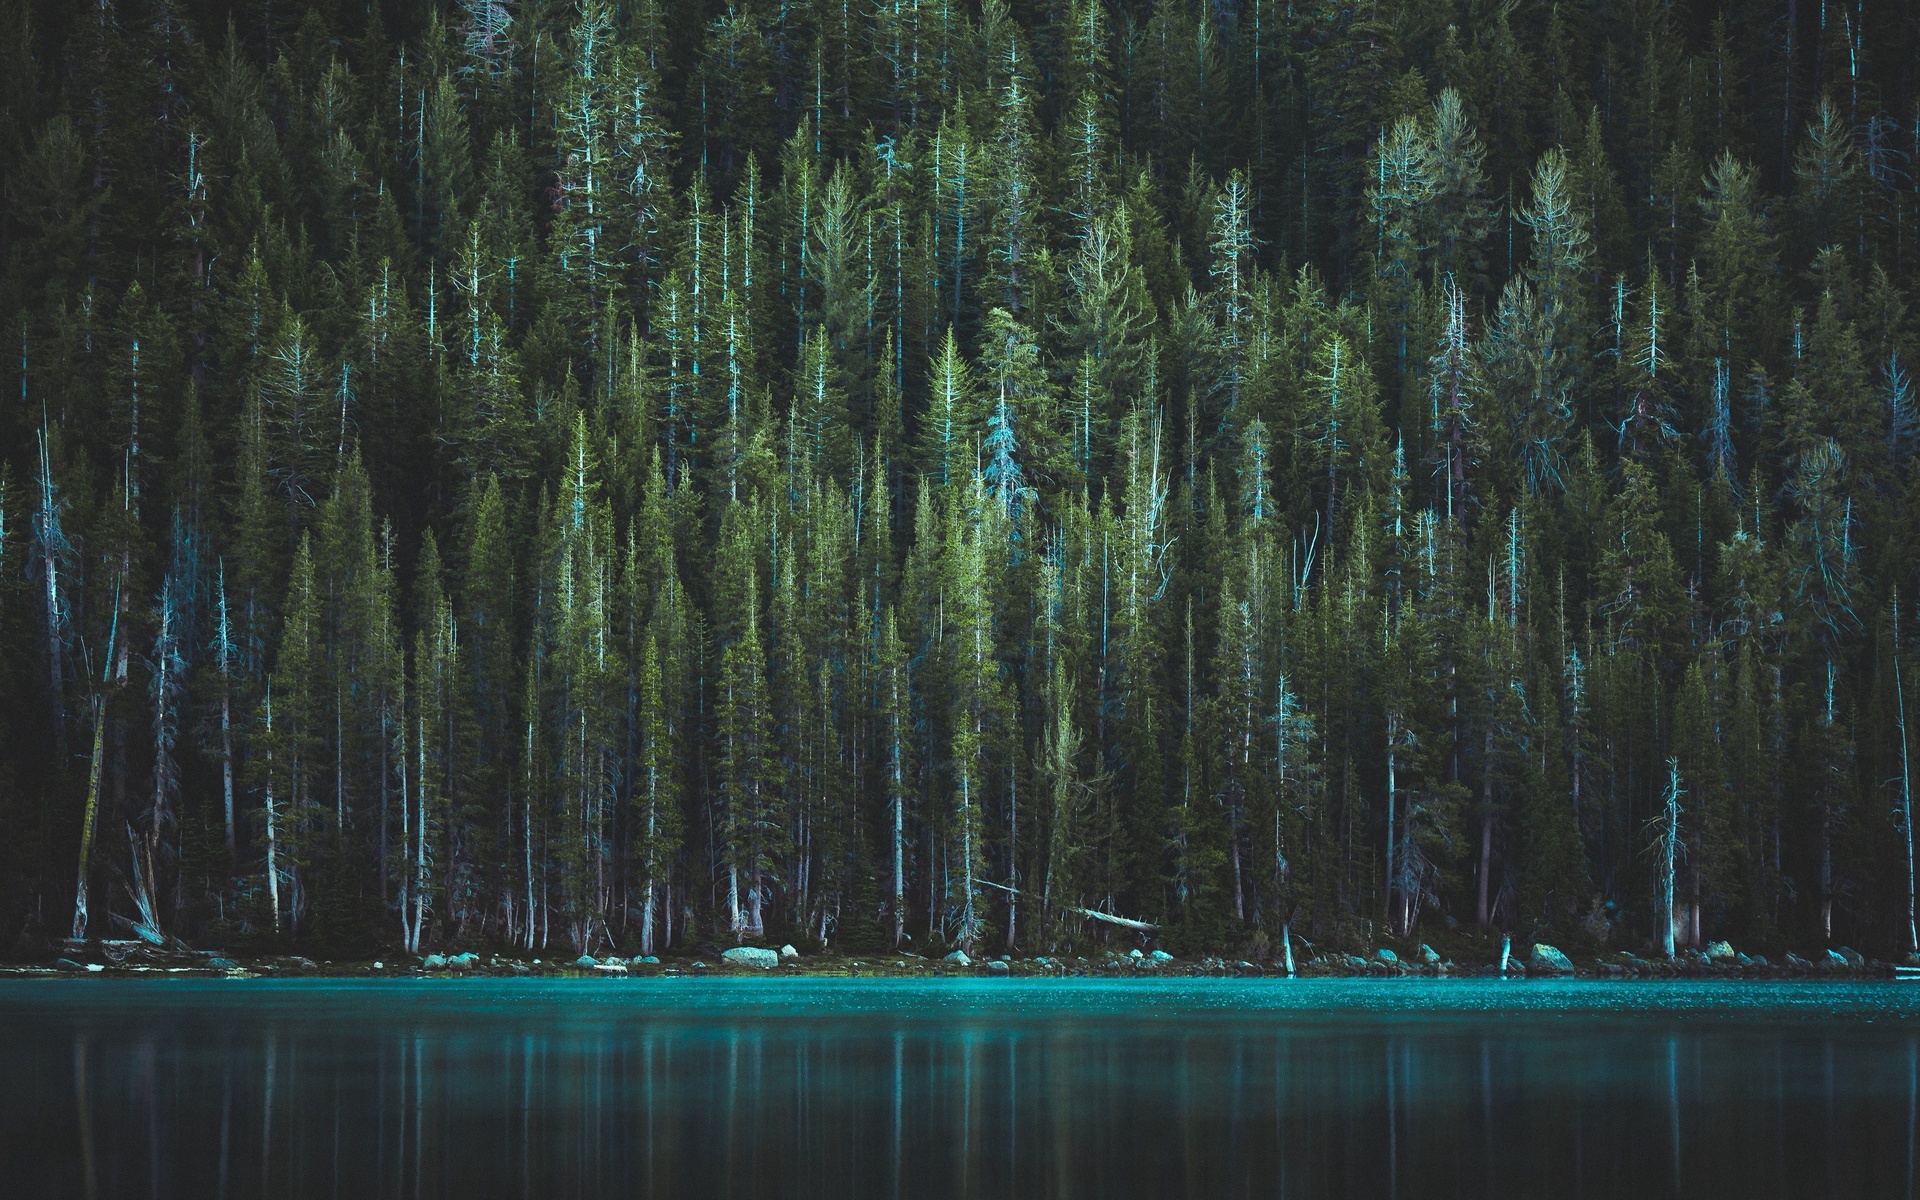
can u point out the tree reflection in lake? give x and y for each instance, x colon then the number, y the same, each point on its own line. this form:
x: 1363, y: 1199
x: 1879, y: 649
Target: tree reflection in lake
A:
x: 744, y: 1088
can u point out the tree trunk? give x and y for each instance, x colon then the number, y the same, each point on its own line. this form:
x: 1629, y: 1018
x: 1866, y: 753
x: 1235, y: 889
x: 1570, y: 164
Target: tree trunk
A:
x: 339, y: 762
x: 1906, y: 801
x: 50, y: 547
x: 87, y: 821
x: 1486, y: 834
x: 966, y: 859
x: 1826, y: 871
x: 226, y: 756
x: 1393, y: 912
x: 273, y: 846
x: 1693, y: 906
x: 527, y: 841
x: 899, y: 856
x: 1013, y: 861
x: 646, y: 917
x: 733, y: 901
x: 420, y: 833
x: 1670, y: 848
x: 406, y: 843
x: 646, y: 922
x: 755, y: 924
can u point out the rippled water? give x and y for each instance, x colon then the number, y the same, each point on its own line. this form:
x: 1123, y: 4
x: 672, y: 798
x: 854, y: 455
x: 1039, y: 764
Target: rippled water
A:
x: 987, y: 1088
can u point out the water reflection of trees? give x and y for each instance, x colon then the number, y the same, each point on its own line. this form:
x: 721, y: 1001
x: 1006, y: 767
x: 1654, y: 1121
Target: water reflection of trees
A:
x: 902, y: 1105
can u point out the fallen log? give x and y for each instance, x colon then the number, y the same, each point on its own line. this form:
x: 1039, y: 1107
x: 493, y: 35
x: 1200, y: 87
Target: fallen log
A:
x: 1109, y: 918
x: 1089, y: 913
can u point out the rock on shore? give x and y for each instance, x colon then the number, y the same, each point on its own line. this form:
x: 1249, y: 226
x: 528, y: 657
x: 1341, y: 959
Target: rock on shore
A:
x: 1549, y: 960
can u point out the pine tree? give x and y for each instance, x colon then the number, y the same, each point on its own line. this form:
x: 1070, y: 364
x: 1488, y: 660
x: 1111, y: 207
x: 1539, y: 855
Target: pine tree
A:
x: 1403, y: 186
x: 579, y: 637
x: 975, y: 707
x: 292, y: 738
x: 642, y: 147
x: 656, y: 792
x: 583, y: 245
x: 1012, y: 198
x: 1455, y: 383
x: 821, y: 408
x: 892, y: 682
x: 1639, y: 584
x: 1826, y: 170
x: 1343, y: 429
x: 1668, y: 841
x: 292, y: 405
x: 1537, y: 341
x: 446, y: 165
x: 957, y: 186
x: 952, y: 421
x: 749, y: 780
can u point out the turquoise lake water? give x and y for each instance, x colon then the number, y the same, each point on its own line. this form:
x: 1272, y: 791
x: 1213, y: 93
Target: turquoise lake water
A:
x: 683, y: 1087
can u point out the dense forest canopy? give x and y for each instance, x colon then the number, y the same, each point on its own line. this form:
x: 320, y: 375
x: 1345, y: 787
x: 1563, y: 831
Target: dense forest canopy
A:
x: 626, y: 474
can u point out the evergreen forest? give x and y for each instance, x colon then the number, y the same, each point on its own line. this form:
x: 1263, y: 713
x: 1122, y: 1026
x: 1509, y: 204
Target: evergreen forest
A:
x: 1010, y: 475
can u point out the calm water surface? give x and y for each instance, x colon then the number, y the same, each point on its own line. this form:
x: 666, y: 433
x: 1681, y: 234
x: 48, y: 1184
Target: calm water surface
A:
x: 987, y: 1088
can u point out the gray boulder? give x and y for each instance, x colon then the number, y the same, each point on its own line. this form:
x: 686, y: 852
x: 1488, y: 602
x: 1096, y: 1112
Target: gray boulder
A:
x: 1161, y: 956
x: 1853, y: 957
x: 434, y: 962
x: 648, y: 960
x: 1428, y: 956
x: 1721, y: 951
x: 959, y: 959
x: 996, y: 967
x: 1836, y: 960
x: 462, y: 962
x: 1387, y: 956
x: 67, y: 964
x: 751, y: 956
x: 1135, y: 955
x: 1548, y: 959
x: 1794, y: 960
x: 787, y: 951
x: 222, y: 964
x: 1355, y: 962
x: 586, y: 960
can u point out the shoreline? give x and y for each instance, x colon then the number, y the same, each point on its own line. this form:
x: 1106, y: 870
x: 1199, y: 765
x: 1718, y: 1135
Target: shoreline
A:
x: 1620, y: 966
